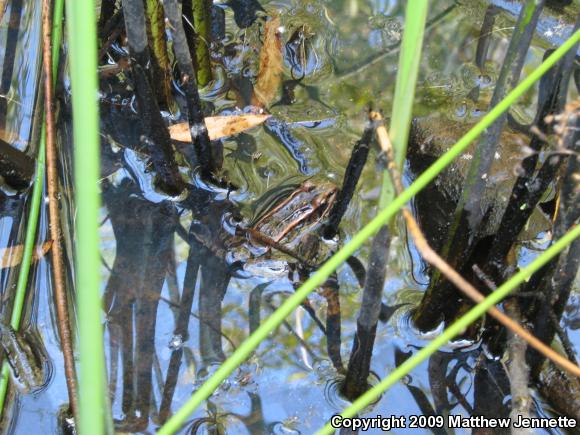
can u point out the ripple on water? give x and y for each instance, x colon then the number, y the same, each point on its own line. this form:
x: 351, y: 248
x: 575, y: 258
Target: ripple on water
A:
x: 283, y: 428
x: 335, y: 399
x: 414, y: 338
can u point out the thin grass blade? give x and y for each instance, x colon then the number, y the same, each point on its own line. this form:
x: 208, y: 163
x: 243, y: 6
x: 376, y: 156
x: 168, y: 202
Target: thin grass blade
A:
x: 82, y: 41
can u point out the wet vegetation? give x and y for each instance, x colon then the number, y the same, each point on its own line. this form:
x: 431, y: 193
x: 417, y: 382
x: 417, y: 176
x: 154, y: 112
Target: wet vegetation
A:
x: 242, y: 149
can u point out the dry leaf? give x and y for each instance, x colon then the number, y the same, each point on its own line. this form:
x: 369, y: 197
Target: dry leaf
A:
x: 270, y: 75
x: 218, y: 126
x: 2, y: 8
x: 12, y: 256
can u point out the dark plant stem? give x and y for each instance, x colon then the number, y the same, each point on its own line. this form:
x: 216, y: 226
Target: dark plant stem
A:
x: 12, y: 37
x: 106, y: 13
x: 359, y: 364
x: 15, y: 166
x: 515, y: 219
x: 202, y: 18
x: 417, y: 393
x: 214, y: 282
x: 160, y: 67
x: 484, y: 154
x: 561, y: 390
x: 557, y: 277
x: 490, y: 388
x: 352, y: 174
x: 181, y: 328
x: 527, y: 190
x: 330, y: 291
x: 110, y: 32
x: 197, y: 127
x: 485, y: 35
x: 155, y: 136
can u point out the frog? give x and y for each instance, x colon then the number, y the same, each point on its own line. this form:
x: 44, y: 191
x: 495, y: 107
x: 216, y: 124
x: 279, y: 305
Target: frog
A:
x: 285, y: 227
x: 291, y: 231
x: 284, y: 236
x: 26, y: 357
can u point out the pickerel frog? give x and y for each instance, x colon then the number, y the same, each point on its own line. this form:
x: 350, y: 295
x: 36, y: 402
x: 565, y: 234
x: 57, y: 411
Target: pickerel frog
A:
x: 26, y: 358
x: 285, y: 225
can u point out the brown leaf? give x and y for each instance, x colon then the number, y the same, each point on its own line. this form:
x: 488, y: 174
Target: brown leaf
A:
x: 218, y: 126
x: 12, y: 256
x: 270, y: 75
x: 2, y: 8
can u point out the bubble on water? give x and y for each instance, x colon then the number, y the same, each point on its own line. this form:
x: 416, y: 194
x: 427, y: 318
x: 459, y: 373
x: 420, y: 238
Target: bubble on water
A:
x: 461, y: 110
x: 484, y: 80
x: 284, y: 428
x: 226, y: 385
x: 205, y: 373
x: 322, y: 367
x: 230, y: 221
x: 176, y: 342
x: 389, y: 27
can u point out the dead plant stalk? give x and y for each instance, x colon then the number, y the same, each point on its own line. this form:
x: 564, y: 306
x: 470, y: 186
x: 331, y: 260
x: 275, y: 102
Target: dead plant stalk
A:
x: 436, y: 261
x: 53, y: 211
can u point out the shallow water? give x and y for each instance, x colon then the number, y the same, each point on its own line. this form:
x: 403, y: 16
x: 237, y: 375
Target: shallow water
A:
x: 285, y: 387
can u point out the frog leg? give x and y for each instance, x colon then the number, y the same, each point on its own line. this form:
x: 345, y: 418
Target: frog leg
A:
x: 268, y: 241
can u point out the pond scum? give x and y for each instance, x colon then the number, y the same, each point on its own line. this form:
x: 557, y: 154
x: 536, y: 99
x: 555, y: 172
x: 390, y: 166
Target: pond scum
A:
x: 179, y: 82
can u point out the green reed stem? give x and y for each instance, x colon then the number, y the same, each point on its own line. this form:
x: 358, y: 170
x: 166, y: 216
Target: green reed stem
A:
x: 318, y: 278
x: 407, y: 73
x: 35, y: 203
x: 82, y: 41
x: 456, y: 328
x: 202, y: 25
